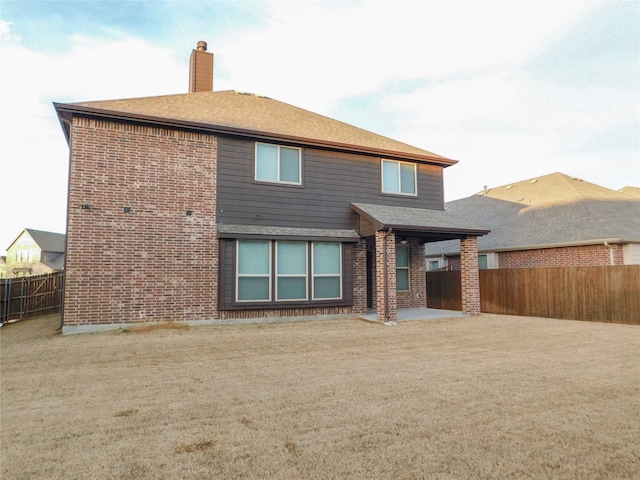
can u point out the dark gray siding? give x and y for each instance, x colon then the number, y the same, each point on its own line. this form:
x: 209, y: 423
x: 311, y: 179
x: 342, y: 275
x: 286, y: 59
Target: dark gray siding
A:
x: 331, y: 181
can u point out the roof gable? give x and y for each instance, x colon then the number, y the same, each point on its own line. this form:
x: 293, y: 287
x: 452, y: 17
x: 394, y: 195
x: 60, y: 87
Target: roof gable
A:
x: 247, y: 114
x: 555, y: 188
x: 562, y: 211
x: 48, y: 241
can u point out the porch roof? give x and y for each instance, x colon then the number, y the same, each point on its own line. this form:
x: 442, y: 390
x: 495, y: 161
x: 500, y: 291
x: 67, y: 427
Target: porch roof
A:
x: 271, y: 232
x: 427, y: 225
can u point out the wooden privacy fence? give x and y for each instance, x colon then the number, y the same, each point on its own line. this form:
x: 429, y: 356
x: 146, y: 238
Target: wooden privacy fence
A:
x: 27, y: 296
x: 599, y: 293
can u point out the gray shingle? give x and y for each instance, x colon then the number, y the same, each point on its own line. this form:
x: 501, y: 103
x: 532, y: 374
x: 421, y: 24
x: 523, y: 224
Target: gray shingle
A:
x: 554, y: 210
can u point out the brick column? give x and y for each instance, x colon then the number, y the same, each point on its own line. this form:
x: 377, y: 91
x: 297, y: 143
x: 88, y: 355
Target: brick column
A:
x: 360, y: 277
x: 386, y: 301
x: 470, y: 276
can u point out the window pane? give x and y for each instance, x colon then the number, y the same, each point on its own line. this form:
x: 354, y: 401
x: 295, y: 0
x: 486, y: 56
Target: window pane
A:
x: 433, y: 265
x: 253, y: 257
x: 253, y: 288
x: 326, y: 259
x: 267, y: 162
x: 292, y: 258
x: 402, y: 279
x: 292, y: 288
x: 482, y: 262
x: 326, y: 287
x: 289, y: 165
x: 390, y: 180
x: 407, y: 178
x: 402, y: 256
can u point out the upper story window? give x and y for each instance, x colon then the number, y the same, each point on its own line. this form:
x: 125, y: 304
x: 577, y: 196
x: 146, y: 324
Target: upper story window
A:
x: 23, y: 256
x: 278, y: 164
x: 398, y: 177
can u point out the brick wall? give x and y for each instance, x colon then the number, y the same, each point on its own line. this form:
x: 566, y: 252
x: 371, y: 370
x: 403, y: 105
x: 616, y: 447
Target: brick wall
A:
x: 416, y: 298
x: 470, y: 277
x: 579, y: 256
x: 386, y: 280
x: 360, y: 277
x: 155, y: 263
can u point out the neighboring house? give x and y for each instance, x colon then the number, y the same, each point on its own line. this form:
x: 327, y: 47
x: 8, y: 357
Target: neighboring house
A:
x: 223, y: 206
x: 35, y: 252
x: 550, y: 221
x: 632, y: 191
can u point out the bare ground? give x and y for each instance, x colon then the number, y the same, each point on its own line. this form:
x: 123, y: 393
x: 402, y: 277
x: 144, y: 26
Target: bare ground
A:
x: 485, y: 397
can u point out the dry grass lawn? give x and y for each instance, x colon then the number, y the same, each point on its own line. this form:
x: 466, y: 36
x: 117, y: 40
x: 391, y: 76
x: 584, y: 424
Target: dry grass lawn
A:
x: 483, y: 398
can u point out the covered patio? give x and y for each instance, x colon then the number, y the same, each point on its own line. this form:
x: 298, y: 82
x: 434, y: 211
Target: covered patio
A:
x: 407, y: 314
x: 388, y: 227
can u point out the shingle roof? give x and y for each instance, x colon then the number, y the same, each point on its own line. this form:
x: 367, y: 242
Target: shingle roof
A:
x: 225, y: 230
x: 416, y: 219
x: 48, y: 241
x: 555, y: 188
x: 554, y: 210
x: 248, y: 114
x: 632, y: 191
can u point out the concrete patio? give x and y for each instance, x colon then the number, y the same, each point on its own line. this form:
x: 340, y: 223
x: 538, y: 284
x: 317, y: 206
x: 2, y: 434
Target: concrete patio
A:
x: 405, y: 314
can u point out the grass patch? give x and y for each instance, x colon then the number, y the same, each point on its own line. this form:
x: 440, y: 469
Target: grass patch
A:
x: 484, y: 397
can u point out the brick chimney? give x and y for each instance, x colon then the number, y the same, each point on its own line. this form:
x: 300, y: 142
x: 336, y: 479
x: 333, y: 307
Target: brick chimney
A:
x: 201, y: 69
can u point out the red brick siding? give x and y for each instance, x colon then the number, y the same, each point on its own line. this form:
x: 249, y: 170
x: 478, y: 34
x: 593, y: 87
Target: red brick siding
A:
x: 284, y: 312
x: 360, y: 277
x: 415, y: 298
x: 470, y: 276
x: 154, y: 263
x: 579, y: 256
x: 386, y: 277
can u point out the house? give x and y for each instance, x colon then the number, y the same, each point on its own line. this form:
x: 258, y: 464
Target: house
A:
x: 221, y: 206
x: 550, y: 221
x: 35, y: 252
x: 629, y: 190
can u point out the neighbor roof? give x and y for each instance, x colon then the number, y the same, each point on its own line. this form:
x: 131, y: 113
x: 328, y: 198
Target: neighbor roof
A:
x: 249, y: 115
x: 633, y: 191
x: 554, y: 188
x: 48, y: 241
x: 553, y: 210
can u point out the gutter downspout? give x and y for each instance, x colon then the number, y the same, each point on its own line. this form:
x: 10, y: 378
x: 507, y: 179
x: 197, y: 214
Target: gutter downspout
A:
x: 610, y: 247
x: 387, y: 322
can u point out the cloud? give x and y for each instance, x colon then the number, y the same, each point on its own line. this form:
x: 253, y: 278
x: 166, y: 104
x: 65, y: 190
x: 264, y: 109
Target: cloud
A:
x: 336, y: 51
x: 32, y: 145
x: 508, y: 126
x: 463, y: 79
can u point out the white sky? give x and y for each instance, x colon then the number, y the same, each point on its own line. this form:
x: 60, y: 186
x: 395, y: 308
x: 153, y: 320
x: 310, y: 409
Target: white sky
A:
x: 511, y: 89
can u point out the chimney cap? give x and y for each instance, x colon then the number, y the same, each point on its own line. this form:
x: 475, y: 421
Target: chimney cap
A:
x: 202, y: 46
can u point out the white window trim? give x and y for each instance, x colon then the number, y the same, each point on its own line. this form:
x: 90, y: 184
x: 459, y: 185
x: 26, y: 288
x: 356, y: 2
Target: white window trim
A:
x: 273, y: 274
x: 407, y: 268
x: 441, y: 260
x: 325, y: 275
x: 239, y: 275
x: 291, y: 275
x: 278, y: 181
x: 399, y: 192
x: 492, y: 260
